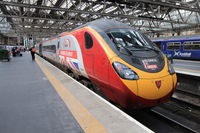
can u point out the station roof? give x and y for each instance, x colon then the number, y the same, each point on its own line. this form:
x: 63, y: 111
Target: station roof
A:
x: 45, y: 18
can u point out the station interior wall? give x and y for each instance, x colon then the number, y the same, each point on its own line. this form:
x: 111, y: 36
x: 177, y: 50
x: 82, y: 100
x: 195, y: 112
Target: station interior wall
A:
x: 5, y: 40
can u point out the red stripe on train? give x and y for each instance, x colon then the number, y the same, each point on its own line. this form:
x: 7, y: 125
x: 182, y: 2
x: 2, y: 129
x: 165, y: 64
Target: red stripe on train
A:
x: 68, y: 53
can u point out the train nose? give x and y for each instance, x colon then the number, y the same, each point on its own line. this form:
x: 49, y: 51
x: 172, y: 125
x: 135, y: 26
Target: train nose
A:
x: 155, y: 89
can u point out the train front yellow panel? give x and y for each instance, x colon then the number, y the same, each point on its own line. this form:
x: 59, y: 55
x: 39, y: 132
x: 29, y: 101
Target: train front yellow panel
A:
x: 155, y: 88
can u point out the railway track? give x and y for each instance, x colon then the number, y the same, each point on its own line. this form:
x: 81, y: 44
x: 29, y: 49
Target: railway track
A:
x: 187, y: 97
x: 170, y: 117
x: 182, y: 110
x: 183, y: 117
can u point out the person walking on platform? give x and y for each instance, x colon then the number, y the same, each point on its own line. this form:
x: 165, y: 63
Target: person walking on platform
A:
x: 33, y: 52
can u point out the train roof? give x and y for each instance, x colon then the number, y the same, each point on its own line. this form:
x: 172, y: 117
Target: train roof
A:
x: 101, y: 24
x: 105, y: 24
x: 173, y: 38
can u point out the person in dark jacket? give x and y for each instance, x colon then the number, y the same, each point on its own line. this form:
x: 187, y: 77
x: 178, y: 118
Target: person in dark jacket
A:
x: 32, y: 50
x: 14, y: 51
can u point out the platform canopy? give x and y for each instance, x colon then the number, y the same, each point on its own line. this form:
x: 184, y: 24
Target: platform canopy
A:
x: 44, y: 18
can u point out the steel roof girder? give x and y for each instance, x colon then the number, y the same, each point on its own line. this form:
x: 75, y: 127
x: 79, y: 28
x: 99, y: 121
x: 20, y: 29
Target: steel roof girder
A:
x: 166, y: 4
x: 43, y: 18
x: 86, y: 12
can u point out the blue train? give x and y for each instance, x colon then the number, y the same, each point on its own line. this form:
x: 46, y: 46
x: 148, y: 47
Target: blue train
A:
x: 181, y: 47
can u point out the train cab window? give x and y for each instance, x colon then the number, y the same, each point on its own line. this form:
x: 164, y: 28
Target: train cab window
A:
x: 194, y: 45
x: 173, y: 45
x: 129, y: 39
x: 88, y: 41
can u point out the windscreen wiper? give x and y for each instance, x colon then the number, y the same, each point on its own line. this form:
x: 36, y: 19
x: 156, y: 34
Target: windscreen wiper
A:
x: 149, y: 48
x: 128, y: 50
x: 154, y: 49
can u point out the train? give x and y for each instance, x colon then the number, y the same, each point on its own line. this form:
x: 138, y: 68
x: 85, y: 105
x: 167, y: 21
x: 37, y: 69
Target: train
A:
x: 180, y: 47
x: 125, y: 65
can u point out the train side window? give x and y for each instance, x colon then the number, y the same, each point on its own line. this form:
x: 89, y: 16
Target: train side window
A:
x: 195, y: 45
x: 173, y: 45
x: 40, y: 48
x: 187, y: 45
x: 50, y: 48
x: 88, y: 41
x: 58, y: 45
x: 53, y: 48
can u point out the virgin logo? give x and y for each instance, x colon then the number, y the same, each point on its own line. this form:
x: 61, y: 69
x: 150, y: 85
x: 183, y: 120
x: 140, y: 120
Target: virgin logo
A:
x: 158, y: 84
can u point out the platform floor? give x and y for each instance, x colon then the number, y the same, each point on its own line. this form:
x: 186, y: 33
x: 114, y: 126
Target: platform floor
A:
x: 28, y: 101
x: 36, y: 97
x: 187, y: 67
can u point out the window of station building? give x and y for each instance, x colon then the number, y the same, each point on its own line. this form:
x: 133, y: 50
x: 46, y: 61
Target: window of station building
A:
x: 50, y: 48
x: 173, y: 45
x: 88, y: 41
x: 193, y: 45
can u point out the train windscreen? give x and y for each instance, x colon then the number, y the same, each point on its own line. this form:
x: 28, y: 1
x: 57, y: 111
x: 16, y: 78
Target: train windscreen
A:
x: 130, y: 39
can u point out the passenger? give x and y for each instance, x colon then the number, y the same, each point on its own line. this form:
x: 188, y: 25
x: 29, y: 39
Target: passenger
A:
x: 18, y: 51
x: 14, y: 51
x: 33, y: 52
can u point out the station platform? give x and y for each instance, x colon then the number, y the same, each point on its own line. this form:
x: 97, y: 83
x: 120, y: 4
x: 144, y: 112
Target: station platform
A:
x: 187, y: 67
x: 36, y: 97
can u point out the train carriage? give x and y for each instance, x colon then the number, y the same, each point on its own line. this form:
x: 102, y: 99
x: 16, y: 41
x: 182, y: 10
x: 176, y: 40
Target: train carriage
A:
x: 122, y: 62
x: 180, y: 47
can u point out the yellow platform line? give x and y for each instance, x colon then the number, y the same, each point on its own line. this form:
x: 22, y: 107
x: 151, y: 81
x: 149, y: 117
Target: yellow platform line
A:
x: 87, y: 122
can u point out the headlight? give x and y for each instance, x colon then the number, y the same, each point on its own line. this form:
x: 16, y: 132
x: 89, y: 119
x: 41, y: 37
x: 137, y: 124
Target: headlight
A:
x: 170, y: 68
x: 124, y: 71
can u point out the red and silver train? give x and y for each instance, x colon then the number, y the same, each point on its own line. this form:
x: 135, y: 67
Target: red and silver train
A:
x: 123, y: 63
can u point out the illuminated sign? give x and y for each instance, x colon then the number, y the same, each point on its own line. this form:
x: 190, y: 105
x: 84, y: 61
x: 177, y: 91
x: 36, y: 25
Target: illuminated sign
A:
x: 150, y: 63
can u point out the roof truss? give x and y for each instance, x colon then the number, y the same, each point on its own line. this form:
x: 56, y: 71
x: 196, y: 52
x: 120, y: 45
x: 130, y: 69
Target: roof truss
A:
x: 153, y: 17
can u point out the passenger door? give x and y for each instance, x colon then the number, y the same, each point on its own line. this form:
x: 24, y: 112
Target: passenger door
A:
x: 88, y: 54
x: 97, y: 61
